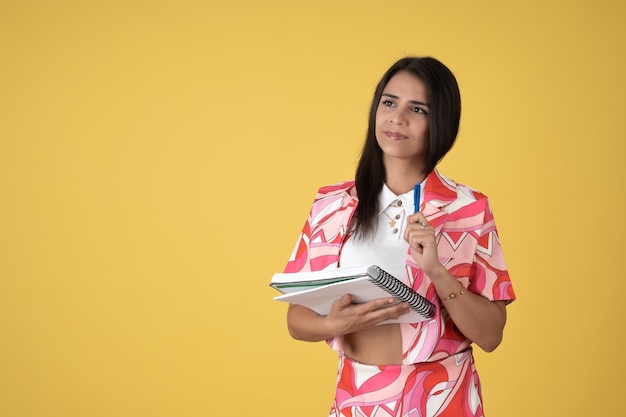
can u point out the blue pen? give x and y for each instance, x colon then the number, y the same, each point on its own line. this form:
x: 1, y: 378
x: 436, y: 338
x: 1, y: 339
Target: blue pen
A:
x: 416, y: 196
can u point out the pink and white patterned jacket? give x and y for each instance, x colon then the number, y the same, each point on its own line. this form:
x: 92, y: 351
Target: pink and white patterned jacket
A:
x: 467, y: 243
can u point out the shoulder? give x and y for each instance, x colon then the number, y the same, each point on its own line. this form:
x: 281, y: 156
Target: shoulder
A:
x: 454, y: 197
x: 340, y: 188
x: 336, y: 201
x: 457, y: 189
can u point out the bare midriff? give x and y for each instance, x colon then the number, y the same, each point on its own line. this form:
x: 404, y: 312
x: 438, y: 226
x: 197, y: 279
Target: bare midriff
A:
x: 378, y: 345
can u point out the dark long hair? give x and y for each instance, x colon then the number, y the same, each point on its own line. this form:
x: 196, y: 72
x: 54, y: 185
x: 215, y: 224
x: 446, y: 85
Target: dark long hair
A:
x: 444, y: 116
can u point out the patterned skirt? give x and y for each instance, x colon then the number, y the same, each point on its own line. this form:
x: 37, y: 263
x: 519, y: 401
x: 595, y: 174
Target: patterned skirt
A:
x: 446, y: 388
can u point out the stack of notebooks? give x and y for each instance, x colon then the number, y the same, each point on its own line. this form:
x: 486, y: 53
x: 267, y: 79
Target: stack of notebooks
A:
x: 319, y: 289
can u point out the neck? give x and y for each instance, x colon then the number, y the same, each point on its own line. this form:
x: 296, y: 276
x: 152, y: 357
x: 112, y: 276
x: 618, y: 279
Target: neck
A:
x: 402, y: 177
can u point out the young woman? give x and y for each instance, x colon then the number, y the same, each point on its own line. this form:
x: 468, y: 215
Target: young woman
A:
x: 447, y: 250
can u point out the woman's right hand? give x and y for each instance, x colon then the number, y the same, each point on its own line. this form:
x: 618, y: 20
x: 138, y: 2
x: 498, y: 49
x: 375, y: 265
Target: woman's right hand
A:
x: 344, y: 317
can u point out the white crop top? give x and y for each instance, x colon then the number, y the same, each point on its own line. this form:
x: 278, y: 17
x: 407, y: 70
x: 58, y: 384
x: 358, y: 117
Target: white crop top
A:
x: 387, y: 248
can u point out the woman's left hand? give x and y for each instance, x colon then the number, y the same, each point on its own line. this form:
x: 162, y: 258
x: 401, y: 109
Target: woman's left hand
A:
x: 421, y: 238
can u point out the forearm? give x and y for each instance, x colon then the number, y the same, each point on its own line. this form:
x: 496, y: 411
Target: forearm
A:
x: 344, y: 317
x: 305, y: 324
x: 480, y: 320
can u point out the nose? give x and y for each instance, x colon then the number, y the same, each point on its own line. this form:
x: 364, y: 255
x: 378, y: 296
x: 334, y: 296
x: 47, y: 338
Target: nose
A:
x: 398, y: 118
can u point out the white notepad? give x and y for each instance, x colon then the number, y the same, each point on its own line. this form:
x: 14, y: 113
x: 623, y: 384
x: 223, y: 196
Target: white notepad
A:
x: 317, y: 290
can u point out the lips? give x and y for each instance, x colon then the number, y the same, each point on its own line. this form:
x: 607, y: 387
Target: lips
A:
x: 395, y: 135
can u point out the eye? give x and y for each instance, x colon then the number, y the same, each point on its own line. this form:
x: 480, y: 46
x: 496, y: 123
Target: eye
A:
x: 419, y: 110
x: 386, y: 103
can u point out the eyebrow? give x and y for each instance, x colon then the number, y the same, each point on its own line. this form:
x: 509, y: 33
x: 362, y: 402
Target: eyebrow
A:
x: 410, y: 101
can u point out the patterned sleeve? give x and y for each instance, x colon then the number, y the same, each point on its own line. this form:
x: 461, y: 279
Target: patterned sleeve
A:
x: 298, y: 260
x: 490, y: 277
x: 319, y: 243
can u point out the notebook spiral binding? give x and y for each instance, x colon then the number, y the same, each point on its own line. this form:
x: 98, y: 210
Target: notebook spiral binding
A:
x: 401, y: 291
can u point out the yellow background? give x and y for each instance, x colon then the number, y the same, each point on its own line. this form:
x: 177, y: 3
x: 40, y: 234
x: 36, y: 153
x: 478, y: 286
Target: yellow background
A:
x: 158, y: 159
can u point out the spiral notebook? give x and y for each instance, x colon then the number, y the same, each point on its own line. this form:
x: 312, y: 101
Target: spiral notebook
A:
x: 317, y: 290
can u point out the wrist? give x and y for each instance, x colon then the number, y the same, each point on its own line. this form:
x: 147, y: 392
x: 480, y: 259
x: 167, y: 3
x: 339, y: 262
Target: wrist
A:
x: 437, y: 273
x: 328, y: 327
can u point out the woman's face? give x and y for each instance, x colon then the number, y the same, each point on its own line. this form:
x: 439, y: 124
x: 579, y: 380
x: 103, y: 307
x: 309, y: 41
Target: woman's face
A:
x: 402, y: 119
